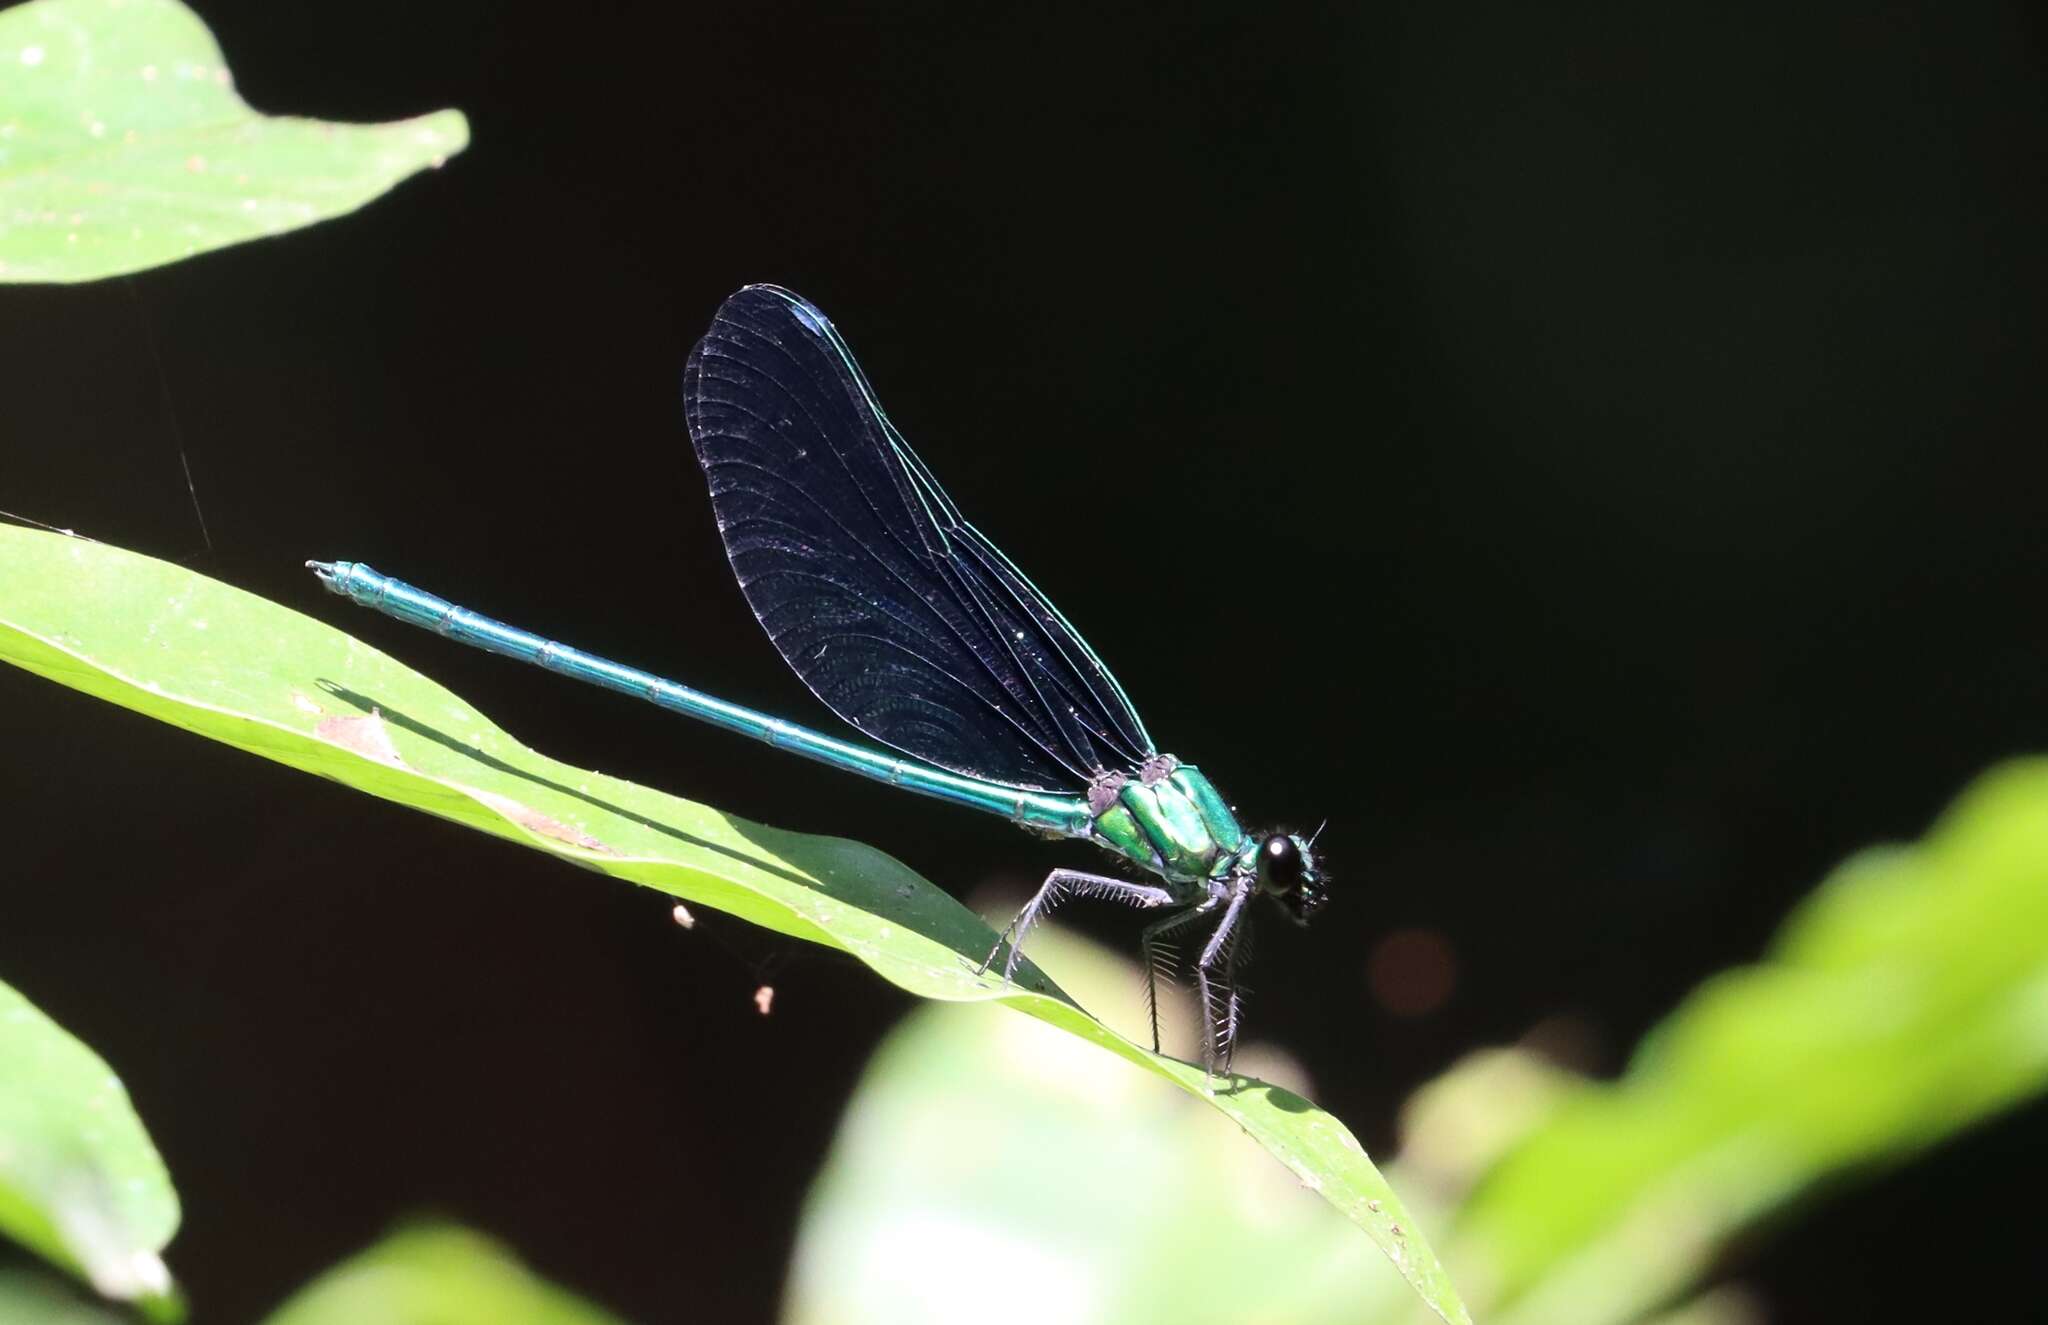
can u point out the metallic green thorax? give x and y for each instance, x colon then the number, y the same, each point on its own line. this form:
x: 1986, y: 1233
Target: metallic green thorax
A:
x: 1175, y: 825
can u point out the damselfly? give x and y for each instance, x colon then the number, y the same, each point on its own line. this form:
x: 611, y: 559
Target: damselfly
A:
x: 918, y: 631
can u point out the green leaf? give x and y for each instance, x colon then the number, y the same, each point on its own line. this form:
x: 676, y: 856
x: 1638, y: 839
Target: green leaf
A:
x: 80, y: 1183
x: 36, y: 1297
x: 123, y: 145
x: 1051, y: 1180
x: 435, y: 1274
x: 1905, y: 999
x: 207, y: 657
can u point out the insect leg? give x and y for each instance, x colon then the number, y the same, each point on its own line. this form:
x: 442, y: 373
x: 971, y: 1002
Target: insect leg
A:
x: 1058, y: 886
x: 1158, y: 954
x: 1215, y: 979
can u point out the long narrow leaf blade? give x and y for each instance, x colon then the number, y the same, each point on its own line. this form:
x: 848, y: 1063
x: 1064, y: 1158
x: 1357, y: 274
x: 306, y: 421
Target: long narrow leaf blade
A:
x: 207, y: 657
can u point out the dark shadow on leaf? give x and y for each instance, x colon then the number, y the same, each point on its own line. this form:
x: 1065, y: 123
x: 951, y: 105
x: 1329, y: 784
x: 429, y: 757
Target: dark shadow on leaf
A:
x: 1284, y: 1100
x: 851, y: 873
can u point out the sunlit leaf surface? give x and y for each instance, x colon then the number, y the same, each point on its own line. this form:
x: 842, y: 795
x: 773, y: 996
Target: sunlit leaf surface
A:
x: 124, y: 146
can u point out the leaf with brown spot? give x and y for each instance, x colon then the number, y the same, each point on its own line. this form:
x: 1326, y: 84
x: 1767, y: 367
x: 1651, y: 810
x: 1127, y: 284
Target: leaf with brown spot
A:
x: 366, y: 735
x: 534, y: 821
x: 207, y: 657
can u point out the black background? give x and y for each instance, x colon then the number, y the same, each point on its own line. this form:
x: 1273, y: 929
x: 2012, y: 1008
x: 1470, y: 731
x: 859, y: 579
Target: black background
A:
x: 1591, y: 457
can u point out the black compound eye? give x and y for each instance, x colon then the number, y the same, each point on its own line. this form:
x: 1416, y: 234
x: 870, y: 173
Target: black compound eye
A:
x: 1280, y: 865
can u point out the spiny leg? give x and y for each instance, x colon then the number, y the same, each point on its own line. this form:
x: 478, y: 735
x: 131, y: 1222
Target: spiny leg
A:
x: 1231, y: 1002
x: 1218, y: 991
x: 1152, y: 944
x: 1235, y: 951
x: 1215, y: 980
x: 1058, y: 886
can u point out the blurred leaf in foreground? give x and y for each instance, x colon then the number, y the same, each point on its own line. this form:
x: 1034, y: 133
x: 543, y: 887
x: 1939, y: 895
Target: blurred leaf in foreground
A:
x: 1905, y: 999
x: 80, y: 1183
x: 435, y: 1274
x: 200, y: 655
x: 33, y: 1297
x: 1046, y: 1184
x: 123, y: 145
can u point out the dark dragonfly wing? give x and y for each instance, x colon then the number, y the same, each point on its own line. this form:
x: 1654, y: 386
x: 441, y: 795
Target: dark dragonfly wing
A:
x: 892, y: 608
